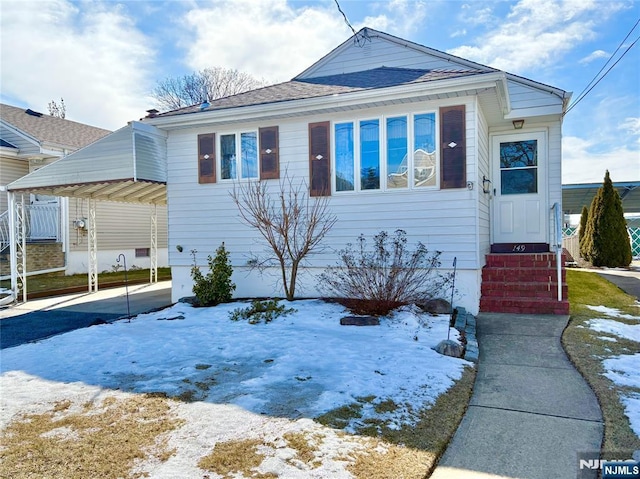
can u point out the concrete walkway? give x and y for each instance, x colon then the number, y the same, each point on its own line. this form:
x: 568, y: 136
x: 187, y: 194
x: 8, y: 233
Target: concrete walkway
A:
x: 531, y: 412
x: 42, y: 318
x: 628, y: 280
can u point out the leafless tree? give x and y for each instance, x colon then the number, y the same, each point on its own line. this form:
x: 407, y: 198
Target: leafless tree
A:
x: 208, y: 84
x: 57, y: 110
x: 292, y: 223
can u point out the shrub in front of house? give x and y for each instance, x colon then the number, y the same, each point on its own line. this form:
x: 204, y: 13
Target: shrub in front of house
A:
x: 376, y: 280
x: 216, y: 287
x: 606, y: 241
x: 261, y: 311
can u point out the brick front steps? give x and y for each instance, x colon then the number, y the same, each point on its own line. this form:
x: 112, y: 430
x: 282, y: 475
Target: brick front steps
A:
x: 523, y: 283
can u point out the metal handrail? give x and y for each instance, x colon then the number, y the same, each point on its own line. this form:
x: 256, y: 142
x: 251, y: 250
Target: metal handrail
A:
x: 5, y: 240
x: 558, y: 228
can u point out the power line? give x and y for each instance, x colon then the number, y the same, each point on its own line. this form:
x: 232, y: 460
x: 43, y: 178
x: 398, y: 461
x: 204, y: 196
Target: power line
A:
x: 346, y: 20
x: 591, y: 85
x: 358, y: 38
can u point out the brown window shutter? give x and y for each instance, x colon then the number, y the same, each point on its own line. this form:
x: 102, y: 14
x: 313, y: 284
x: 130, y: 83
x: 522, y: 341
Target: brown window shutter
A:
x: 207, y: 158
x: 453, y: 148
x: 269, y: 153
x: 319, y: 161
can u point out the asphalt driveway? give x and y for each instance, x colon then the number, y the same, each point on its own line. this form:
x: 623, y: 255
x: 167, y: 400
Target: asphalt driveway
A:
x: 39, y: 319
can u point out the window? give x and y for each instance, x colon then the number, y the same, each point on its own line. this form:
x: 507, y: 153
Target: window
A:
x: 142, y: 252
x: 345, y: 159
x: 370, y: 155
x: 393, y: 153
x: 246, y: 162
x: 519, y: 167
x: 424, y: 154
x: 239, y: 156
x: 397, y: 149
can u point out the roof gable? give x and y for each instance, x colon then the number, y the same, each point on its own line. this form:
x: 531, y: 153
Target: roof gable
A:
x: 370, y: 49
x: 49, y: 129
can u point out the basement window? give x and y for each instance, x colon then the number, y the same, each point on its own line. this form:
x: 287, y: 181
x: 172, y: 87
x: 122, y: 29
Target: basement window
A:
x: 142, y: 252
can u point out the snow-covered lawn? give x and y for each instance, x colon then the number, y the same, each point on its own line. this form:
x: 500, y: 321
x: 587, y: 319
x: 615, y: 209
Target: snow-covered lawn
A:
x: 239, y: 380
x: 623, y: 370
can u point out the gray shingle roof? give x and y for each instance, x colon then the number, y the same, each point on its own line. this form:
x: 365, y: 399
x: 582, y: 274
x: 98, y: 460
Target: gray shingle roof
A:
x: 49, y: 129
x: 382, y: 77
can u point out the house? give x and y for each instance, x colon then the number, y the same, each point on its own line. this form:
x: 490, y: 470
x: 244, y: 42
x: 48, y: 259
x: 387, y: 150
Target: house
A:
x: 465, y: 158
x: 56, y: 227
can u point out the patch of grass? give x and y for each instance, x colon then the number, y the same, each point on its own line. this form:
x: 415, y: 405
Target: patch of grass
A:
x: 53, y: 281
x: 587, y: 351
x: 101, y: 440
x: 413, y: 450
x: 235, y: 457
x: 340, y: 417
x: 389, y: 461
x: 388, y: 405
x: 305, y: 451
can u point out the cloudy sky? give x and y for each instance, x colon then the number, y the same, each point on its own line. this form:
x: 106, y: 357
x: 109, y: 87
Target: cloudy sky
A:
x: 104, y: 57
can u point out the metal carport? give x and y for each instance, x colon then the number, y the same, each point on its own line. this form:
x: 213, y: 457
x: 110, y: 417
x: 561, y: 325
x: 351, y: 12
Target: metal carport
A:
x: 128, y: 165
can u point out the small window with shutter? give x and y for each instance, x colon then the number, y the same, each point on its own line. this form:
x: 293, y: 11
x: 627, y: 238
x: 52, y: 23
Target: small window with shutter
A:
x: 319, y: 159
x: 269, y: 153
x: 453, y: 148
x: 207, y: 158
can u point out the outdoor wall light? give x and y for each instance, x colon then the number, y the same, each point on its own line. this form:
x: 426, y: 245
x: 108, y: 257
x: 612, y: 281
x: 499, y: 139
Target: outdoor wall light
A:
x: 486, y: 184
x: 518, y: 124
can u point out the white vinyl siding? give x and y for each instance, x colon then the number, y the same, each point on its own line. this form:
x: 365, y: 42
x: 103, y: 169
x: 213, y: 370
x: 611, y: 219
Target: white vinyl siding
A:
x: 119, y: 225
x: 203, y: 216
x: 378, y: 53
x: 526, y: 100
x: 10, y: 170
x: 27, y: 146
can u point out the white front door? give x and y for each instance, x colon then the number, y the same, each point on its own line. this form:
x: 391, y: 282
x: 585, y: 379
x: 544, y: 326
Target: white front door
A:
x: 520, y: 214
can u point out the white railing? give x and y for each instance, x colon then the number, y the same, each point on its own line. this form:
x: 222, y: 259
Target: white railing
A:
x: 43, y: 222
x: 4, y: 231
x: 558, y: 239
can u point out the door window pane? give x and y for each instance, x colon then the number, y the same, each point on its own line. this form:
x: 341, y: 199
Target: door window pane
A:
x: 397, y: 169
x: 249, y: 154
x: 424, y: 155
x: 228, y: 156
x: 345, y: 165
x: 519, y: 167
x: 370, y: 155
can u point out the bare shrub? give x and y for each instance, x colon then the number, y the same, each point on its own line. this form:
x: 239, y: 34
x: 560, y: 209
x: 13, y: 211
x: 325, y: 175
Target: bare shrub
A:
x: 292, y: 224
x: 377, y: 280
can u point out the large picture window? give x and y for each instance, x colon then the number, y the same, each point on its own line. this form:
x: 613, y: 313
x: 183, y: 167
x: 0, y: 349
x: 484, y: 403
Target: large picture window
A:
x: 389, y: 153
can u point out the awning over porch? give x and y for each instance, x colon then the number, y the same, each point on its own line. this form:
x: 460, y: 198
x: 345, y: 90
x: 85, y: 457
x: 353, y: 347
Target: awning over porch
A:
x: 127, y: 165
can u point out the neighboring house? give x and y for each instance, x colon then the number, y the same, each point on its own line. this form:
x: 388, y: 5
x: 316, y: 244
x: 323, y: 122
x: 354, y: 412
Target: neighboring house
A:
x: 464, y: 157
x: 56, y: 226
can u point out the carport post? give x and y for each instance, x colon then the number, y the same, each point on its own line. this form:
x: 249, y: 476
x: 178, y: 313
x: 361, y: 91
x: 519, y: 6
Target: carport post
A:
x: 93, y: 248
x: 18, y: 245
x: 153, y: 254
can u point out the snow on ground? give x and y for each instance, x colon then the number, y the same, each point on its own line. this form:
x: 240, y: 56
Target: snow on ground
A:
x: 612, y: 312
x: 623, y: 370
x: 244, y: 378
x: 622, y: 330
